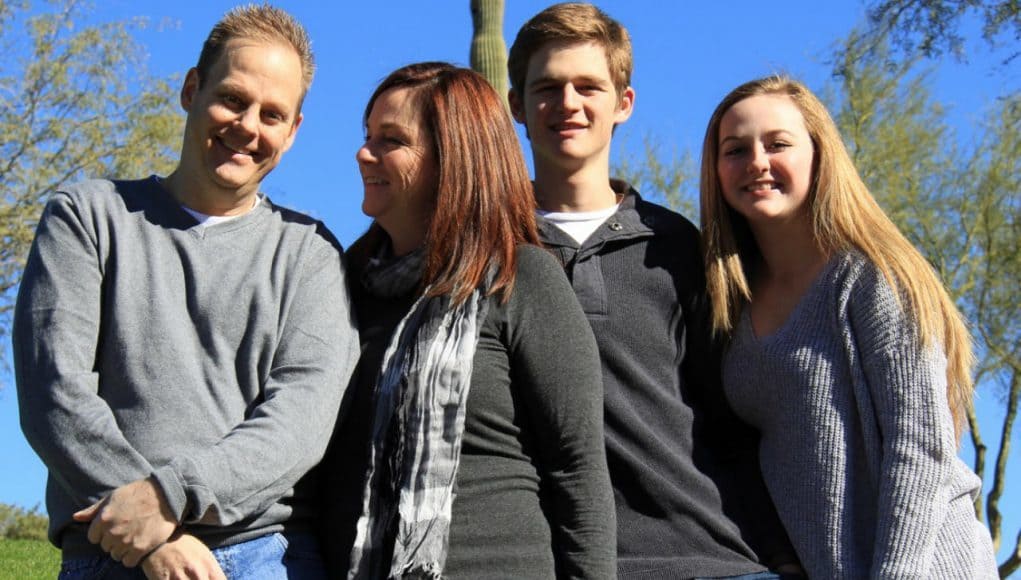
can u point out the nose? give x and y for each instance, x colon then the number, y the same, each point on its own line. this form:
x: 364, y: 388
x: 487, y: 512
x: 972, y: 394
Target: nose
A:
x: 364, y: 154
x: 569, y: 100
x: 759, y: 162
x: 249, y: 121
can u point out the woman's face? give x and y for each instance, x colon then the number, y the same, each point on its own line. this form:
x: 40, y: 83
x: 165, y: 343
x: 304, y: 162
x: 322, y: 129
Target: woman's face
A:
x: 765, y: 159
x: 398, y: 166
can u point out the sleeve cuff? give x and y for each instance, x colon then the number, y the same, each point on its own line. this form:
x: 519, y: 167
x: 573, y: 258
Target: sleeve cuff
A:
x: 173, y: 491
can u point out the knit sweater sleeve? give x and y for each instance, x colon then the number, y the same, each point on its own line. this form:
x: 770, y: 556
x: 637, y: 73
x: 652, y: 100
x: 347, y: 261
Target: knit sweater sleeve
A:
x: 555, y: 363
x: 907, y: 386
x: 286, y: 433
x: 55, y: 336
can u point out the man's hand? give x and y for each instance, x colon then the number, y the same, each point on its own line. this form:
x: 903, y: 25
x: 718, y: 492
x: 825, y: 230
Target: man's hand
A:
x: 184, y: 557
x: 130, y: 522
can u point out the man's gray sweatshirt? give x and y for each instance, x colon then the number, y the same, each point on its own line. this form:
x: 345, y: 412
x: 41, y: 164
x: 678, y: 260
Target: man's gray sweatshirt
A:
x: 212, y: 358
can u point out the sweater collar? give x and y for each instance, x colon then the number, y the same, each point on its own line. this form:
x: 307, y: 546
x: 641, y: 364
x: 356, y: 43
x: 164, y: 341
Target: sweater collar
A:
x: 625, y: 223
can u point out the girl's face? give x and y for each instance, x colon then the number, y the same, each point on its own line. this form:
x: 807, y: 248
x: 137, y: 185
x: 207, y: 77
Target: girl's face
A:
x: 398, y: 164
x: 765, y: 160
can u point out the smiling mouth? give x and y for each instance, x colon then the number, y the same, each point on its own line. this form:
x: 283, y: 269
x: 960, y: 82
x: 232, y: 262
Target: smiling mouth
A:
x: 234, y: 151
x: 566, y: 127
x: 374, y: 181
x: 762, y: 187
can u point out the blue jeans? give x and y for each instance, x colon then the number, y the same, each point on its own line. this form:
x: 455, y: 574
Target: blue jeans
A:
x: 270, y: 557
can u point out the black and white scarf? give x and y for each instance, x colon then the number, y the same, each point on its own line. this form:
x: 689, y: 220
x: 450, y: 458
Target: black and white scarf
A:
x: 419, y: 412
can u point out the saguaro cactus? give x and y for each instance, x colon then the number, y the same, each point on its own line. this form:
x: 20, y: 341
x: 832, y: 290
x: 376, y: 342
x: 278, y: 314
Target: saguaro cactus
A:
x: 488, y: 49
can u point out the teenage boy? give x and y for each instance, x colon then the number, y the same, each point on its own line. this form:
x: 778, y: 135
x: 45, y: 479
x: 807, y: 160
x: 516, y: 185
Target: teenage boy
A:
x: 182, y: 344
x: 637, y: 272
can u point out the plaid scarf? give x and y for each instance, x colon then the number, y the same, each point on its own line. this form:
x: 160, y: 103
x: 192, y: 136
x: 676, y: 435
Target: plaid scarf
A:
x: 419, y: 411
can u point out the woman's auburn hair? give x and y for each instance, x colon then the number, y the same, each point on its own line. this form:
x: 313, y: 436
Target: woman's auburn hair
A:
x: 845, y: 216
x: 483, y: 205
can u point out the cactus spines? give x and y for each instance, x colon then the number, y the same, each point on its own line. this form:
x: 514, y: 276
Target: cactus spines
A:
x: 488, y: 49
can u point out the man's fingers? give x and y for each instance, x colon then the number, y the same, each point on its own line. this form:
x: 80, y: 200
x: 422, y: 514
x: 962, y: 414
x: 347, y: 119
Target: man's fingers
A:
x: 88, y: 513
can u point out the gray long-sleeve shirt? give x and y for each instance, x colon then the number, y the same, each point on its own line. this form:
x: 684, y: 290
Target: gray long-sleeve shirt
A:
x: 212, y: 358
x: 858, y: 448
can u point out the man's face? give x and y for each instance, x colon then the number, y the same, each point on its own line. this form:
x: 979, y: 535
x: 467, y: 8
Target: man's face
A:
x: 569, y: 105
x: 241, y: 119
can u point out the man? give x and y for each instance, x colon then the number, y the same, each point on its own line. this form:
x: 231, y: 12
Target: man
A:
x: 637, y: 272
x: 181, y: 345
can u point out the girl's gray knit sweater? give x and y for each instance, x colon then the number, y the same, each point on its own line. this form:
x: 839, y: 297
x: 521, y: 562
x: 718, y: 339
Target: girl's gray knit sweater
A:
x: 858, y: 447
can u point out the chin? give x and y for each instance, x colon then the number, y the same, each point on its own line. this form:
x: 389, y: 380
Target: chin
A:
x: 371, y: 210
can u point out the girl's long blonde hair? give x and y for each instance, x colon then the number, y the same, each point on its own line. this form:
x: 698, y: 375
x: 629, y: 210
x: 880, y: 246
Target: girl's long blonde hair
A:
x: 844, y: 216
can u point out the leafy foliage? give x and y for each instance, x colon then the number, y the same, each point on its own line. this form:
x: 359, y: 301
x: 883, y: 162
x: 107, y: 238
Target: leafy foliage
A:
x: 19, y: 524
x: 672, y: 179
x: 932, y: 27
x: 75, y: 102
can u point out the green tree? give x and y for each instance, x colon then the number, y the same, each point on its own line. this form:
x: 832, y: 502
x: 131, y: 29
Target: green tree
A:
x: 671, y: 178
x: 488, y: 50
x: 932, y: 27
x: 17, y: 523
x: 960, y: 206
x: 75, y: 102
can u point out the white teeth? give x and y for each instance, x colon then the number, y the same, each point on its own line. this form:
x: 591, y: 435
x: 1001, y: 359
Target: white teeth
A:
x: 238, y: 151
x: 761, y: 186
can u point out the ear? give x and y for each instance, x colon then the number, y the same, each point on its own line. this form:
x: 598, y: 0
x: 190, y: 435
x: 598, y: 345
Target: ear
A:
x: 293, y: 133
x: 625, y: 106
x: 189, y: 88
x: 517, y: 106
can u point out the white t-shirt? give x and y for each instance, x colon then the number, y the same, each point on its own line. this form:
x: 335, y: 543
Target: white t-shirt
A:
x: 210, y: 220
x: 579, y: 224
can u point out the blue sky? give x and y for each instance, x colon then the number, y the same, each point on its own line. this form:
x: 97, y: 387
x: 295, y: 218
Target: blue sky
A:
x: 687, y: 56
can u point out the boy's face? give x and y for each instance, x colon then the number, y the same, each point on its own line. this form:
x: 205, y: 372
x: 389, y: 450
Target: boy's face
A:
x: 569, y: 105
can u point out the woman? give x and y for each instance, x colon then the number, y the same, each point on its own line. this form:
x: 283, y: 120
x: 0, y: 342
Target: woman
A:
x: 844, y: 348
x: 479, y: 388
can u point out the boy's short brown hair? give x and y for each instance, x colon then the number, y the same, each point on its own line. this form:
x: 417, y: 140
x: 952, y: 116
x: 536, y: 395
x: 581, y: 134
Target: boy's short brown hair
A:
x: 572, y: 23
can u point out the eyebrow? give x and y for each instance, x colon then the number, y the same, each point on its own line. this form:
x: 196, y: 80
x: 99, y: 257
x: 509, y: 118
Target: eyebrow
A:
x: 772, y: 133
x: 573, y: 79
x: 391, y: 126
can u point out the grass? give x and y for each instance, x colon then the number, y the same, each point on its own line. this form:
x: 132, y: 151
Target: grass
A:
x: 28, y: 560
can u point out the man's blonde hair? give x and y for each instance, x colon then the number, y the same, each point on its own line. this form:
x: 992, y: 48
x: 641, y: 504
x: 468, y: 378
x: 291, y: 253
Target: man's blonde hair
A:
x: 262, y: 23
